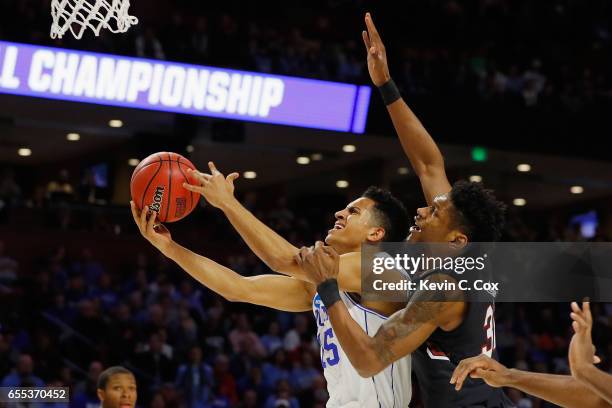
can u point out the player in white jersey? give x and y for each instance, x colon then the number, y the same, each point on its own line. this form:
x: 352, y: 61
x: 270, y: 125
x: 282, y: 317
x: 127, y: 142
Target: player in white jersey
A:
x: 375, y: 216
x: 389, y: 388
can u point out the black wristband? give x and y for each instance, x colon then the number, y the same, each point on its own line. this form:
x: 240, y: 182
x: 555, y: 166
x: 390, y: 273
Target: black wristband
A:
x: 389, y: 92
x: 328, y: 292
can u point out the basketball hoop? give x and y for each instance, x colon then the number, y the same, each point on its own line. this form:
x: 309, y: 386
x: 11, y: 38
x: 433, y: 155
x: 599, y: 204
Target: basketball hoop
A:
x: 77, y: 15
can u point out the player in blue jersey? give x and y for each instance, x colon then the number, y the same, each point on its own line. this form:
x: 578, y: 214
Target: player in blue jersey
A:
x: 373, y: 217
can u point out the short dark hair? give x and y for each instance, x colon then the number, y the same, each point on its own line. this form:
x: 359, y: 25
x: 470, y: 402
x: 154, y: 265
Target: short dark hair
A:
x: 478, y: 213
x: 390, y: 212
x: 106, y: 375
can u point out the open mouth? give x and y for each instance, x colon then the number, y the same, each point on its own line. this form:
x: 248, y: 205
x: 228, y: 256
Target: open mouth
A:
x: 415, y: 227
x: 338, y: 226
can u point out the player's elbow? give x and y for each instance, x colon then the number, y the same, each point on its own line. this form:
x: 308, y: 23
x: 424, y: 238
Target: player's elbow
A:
x: 234, y: 293
x: 367, y: 369
x: 230, y: 297
x: 367, y: 364
x: 366, y: 372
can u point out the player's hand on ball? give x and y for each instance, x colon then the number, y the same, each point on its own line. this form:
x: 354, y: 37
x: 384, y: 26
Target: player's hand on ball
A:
x: 377, y: 56
x: 320, y: 262
x: 154, y: 232
x: 484, y: 367
x: 216, y: 188
x: 581, y: 350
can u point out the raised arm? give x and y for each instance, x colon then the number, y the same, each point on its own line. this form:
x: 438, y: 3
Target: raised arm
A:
x: 562, y: 390
x: 399, y: 336
x: 422, y: 151
x: 582, y: 356
x: 274, y: 250
x: 275, y: 291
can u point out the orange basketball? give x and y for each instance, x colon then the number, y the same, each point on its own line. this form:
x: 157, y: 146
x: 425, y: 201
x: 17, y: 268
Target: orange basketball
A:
x: 158, y: 182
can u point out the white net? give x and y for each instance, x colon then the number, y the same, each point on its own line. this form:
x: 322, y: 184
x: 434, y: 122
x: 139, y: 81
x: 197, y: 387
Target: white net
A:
x: 78, y: 15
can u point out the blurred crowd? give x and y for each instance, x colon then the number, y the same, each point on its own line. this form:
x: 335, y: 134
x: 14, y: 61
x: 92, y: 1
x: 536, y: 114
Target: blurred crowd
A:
x: 71, y: 312
x: 555, y: 53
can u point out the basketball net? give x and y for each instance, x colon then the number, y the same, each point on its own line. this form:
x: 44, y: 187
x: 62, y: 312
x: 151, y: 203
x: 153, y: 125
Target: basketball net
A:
x: 78, y: 15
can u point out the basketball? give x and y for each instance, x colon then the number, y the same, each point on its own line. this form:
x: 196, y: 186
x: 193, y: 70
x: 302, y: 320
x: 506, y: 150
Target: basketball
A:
x: 157, y: 182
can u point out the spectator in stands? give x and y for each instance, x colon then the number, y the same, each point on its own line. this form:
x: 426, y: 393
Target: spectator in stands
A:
x: 23, y: 375
x: 250, y: 399
x: 60, y: 189
x: 90, y: 190
x: 244, y: 340
x: 85, y: 392
x: 226, y: 383
x: 10, y: 194
x: 272, y: 341
x: 88, y: 267
x: 200, y: 40
x: 282, y: 398
x: 8, y: 267
x: 304, y: 373
x: 156, y: 367
x: 195, y: 380
x: 275, y: 370
x: 293, y: 338
x: 59, y: 194
x: 148, y: 45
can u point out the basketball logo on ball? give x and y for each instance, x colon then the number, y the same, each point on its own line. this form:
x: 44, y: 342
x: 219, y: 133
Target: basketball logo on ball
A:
x: 157, y: 182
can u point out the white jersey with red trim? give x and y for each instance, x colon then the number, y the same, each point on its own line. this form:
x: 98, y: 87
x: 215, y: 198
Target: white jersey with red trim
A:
x: 390, y: 388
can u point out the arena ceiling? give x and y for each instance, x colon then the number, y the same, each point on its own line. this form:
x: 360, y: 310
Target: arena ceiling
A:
x: 271, y: 151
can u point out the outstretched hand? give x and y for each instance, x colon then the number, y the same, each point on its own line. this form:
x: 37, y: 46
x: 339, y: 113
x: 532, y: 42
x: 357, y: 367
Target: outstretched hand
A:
x: 581, y: 350
x: 377, y: 56
x: 217, y: 189
x: 156, y: 233
x: 484, y: 367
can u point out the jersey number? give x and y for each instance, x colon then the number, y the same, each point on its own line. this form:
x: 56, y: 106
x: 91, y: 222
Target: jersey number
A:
x: 489, y: 327
x: 328, y: 346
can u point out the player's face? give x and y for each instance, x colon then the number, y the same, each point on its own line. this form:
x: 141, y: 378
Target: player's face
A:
x: 433, y: 223
x: 354, y: 225
x: 120, y: 392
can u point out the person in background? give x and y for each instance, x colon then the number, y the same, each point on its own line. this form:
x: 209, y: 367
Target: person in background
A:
x: 23, y: 375
x: 195, y: 380
x: 86, y: 392
x: 117, y: 388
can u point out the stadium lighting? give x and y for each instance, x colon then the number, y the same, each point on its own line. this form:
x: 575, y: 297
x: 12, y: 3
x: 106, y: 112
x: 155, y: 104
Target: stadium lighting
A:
x: 577, y: 189
x: 303, y: 160
x: 189, y: 149
x: 519, y: 202
x: 115, y: 123
x: 349, y: 148
x: 73, y: 137
x: 342, y: 184
x: 249, y: 175
x: 24, y: 152
x: 479, y: 154
x: 133, y: 162
x: 475, y: 178
x: 524, y: 168
x: 403, y: 171
x: 316, y: 156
